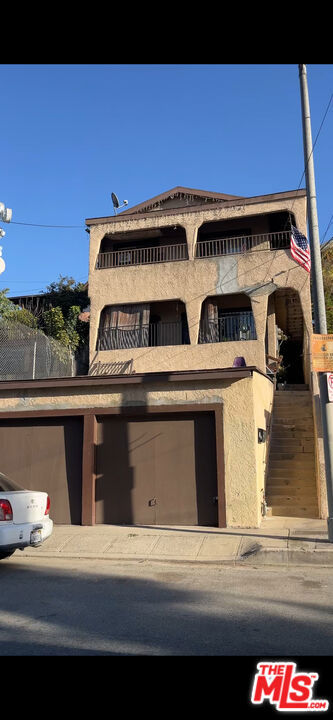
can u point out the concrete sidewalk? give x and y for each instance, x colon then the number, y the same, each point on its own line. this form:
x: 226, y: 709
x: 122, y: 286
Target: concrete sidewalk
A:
x: 279, y: 541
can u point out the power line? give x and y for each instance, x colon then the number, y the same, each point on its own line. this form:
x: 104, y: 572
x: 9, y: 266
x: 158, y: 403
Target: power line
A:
x: 82, y: 227
x: 313, y: 147
x: 327, y: 229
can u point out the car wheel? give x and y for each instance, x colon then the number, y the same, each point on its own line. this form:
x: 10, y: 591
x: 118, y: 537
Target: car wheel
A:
x: 4, y: 555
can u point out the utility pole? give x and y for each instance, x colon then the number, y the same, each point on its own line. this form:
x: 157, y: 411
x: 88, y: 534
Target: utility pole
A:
x: 317, y: 290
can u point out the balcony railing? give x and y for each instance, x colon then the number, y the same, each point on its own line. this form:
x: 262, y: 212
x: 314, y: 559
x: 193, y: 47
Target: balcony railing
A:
x: 142, y: 256
x: 229, y: 327
x: 242, y: 244
x: 152, y: 335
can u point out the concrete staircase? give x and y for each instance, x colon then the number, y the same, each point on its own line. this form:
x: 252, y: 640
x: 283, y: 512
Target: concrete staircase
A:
x: 291, y: 481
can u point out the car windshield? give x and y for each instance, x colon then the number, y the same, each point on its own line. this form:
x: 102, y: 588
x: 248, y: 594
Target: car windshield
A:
x: 7, y: 485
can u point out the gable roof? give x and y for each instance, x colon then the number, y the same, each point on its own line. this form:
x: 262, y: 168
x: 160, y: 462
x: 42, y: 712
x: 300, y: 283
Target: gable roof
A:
x: 190, y: 200
x: 178, y: 197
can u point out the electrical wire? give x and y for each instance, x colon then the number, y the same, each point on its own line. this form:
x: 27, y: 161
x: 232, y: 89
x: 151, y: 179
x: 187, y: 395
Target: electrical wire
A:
x: 313, y: 147
x: 322, y: 241
x: 15, y: 222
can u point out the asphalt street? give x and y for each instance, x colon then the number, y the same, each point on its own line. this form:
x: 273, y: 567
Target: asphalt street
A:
x: 84, y: 606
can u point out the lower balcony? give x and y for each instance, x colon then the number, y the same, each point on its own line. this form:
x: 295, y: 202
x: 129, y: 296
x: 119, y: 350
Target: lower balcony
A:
x: 155, y: 324
x: 152, y: 335
x: 228, y: 327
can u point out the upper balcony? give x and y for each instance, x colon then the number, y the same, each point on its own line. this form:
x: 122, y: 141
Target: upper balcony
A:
x: 215, y: 238
x: 235, y: 244
x: 145, y: 247
x: 269, y: 231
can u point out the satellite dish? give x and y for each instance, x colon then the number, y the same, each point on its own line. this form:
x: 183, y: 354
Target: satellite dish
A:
x: 115, y: 202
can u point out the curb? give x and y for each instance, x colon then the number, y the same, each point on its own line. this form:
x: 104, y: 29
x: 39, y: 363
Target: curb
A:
x: 260, y: 556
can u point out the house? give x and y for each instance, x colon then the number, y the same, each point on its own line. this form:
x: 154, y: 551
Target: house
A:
x: 194, y: 296
x: 200, y: 407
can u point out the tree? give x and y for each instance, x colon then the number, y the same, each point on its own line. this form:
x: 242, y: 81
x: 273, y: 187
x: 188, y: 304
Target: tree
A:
x: 327, y: 267
x: 11, y: 312
x: 66, y: 298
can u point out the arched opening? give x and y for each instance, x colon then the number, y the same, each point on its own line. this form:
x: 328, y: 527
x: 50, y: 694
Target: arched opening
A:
x: 285, y: 336
x: 267, y: 231
x: 226, y: 318
x: 143, y: 325
x: 142, y: 247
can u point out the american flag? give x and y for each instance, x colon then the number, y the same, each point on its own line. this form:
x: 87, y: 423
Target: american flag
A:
x: 300, y: 249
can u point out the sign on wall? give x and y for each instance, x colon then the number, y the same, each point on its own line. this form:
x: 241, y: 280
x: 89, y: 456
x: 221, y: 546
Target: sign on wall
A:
x: 322, y: 353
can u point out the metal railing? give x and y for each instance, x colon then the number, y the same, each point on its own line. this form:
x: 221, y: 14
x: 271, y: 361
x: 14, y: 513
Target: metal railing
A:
x: 142, y: 256
x: 152, y: 335
x: 229, y: 327
x: 243, y: 244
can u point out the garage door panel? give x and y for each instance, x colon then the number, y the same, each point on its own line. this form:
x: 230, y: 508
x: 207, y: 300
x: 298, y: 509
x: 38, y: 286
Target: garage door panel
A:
x: 150, y: 470
x: 143, y: 464
x: 206, y: 468
x: 175, y: 490
x: 46, y: 454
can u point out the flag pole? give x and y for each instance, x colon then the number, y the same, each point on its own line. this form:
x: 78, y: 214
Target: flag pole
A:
x: 318, y: 296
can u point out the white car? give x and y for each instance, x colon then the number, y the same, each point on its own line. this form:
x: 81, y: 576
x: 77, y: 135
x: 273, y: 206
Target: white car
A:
x: 24, y: 517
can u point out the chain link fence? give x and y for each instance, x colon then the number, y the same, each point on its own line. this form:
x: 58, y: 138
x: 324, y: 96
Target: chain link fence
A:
x: 28, y: 354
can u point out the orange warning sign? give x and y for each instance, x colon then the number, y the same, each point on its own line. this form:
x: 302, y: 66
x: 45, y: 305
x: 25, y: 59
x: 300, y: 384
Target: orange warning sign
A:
x: 322, y: 353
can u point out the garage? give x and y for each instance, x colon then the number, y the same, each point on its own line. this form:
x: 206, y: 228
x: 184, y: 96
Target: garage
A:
x: 46, y: 454
x: 158, y: 470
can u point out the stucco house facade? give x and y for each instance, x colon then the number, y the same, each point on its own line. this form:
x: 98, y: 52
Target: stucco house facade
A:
x: 194, y: 299
x: 191, y: 291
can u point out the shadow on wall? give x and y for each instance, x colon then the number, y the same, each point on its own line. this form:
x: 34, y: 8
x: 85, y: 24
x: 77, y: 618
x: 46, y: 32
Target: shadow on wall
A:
x: 113, y: 368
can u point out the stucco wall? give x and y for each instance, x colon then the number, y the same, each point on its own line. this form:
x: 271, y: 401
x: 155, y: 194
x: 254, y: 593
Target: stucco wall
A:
x: 263, y: 396
x: 191, y: 282
x: 243, y: 403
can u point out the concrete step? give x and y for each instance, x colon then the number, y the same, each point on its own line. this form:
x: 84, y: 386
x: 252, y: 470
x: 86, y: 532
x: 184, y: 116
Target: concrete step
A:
x: 298, y: 490
x: 286, y: 434
x: 291, y: 393
x: 292, y: 424
x: 306, y: 458
x: 298, y: 397
x: 292, y: 445
x: 287, y: 410
x: 293, y: 396
x: 284, y: 409
x: 295, y: 480
x: 289, y: 441
x: 291, y: 501
x: 310, y: 511
x: 288, y: 465
x: 291, y: 478
x: 294, y: 472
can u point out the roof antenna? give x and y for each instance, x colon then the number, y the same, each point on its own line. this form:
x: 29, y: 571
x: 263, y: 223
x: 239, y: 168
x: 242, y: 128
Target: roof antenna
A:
x: 115, y: 202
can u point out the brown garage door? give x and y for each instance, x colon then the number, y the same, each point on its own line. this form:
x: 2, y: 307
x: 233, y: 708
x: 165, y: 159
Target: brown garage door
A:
x: 46, y: 454
x: 157, y: 471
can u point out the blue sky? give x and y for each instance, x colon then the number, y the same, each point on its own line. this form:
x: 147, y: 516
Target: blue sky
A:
x: 72, y: 134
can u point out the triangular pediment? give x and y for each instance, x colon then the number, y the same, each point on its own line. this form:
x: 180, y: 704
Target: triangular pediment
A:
x: 178, y: 198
